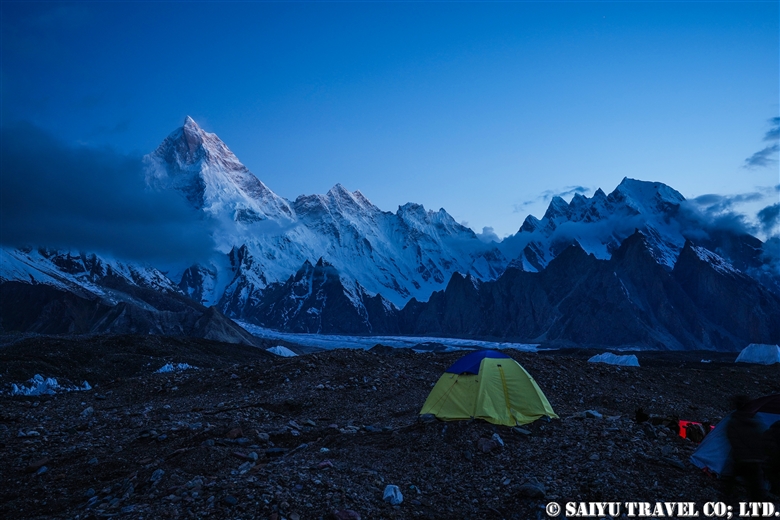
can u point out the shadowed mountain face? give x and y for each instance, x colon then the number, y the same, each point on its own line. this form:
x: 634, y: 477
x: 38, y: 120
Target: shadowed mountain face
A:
x: 298, y: 304
x: 729, y: 298
x: 316, y: 299
x: 629, y: 300
x: 43, y: 309
x: 53, y: 292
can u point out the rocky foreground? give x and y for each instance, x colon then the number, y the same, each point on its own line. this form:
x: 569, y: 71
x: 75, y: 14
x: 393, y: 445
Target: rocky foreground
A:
x: 249, y: 435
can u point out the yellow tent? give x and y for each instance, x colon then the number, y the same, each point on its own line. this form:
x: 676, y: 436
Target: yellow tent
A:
x: 487, y: 385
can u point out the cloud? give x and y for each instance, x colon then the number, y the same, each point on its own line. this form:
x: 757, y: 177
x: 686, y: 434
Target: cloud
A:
x: 488, y: 235
x: 771, y: 255
x: 711, y: 213
x: 774, y: 133
x: 712, y: 203
x: 769, y: 218
x: 569, y: 190
x: 548, y: 195
x: 765, y: 157
x: 93, y: 200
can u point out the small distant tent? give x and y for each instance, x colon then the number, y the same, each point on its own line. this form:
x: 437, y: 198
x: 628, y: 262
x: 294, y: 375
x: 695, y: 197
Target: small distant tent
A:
x: 759, y: 354
x: 714, y: 450
x: 283, y: 351
x: 487, y: 385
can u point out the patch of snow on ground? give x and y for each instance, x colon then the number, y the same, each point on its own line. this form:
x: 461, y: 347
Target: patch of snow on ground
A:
x: 175, y: 367
x: 614, y: 359
x: 280, y: 350
x: 40, y: 385
x: 333, y: 341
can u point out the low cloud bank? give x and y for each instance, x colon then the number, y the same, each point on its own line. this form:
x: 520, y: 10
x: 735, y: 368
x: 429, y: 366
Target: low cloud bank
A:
x: 93, y: 200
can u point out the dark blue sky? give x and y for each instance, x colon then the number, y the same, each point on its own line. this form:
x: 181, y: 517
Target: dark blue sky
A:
x: 484, y: 109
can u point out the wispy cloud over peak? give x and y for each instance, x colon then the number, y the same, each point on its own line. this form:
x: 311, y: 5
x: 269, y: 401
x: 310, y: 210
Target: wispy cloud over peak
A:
x: 763, y: 158
x: 766, y: 156
x: 548, y: 195
x: 737, y: 212
x: 774, y: 133
x: 769, y: 218
x: 488, y: 235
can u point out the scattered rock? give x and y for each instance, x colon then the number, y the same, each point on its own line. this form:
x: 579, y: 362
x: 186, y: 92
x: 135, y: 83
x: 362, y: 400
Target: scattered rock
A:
x: 532, y: 489
x: 487, y: 445
x: 38, y: 464
x: 392, y: 495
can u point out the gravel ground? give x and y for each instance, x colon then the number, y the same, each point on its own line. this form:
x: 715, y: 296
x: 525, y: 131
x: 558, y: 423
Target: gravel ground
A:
x: 321, y: 436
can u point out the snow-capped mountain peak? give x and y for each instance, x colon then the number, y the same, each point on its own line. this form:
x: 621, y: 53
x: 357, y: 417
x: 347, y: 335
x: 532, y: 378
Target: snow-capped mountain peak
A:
x: 202, y: 167
x: 646, y: 197
x: 349, y: 201
x: 398, y: 256
x: 415, y: 216
x: 600, y: 223
x: 558, y: 207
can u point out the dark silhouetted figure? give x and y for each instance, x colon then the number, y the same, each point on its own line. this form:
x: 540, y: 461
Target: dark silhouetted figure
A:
x: 674, y: 425
x: 747, y: 452
x: 772, y: 446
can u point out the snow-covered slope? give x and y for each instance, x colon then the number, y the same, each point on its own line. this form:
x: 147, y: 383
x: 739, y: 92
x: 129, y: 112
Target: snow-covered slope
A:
x: 212, y: 178
x: 86, y: 275
x: 600, y: 223
x: 266, y: 238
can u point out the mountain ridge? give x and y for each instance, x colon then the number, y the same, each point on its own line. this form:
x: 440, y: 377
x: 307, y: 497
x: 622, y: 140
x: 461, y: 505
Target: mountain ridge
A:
x: 369, y: 266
